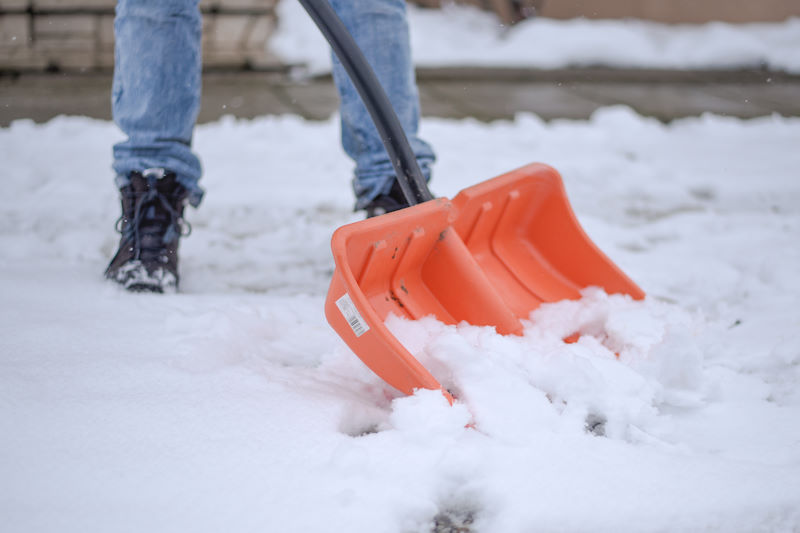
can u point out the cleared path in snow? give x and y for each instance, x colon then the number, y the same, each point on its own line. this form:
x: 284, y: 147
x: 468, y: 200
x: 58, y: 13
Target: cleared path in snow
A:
x: 483, y: 93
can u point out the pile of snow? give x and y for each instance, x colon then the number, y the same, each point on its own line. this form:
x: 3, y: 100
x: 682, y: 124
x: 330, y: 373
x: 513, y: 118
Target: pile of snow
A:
x: 460, y: 35
x: 232, y: 406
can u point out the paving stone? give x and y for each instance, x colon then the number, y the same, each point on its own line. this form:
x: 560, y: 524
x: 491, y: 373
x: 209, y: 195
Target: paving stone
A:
x: 489, y: 99
x: 13, y: 5
x: 41, y: 97
x: 778, y: 97
x: 104, y: 59
x: 237, y: 4
x: 244, y: 95
x: 666, y: 101
x: 105, y: 31
x: 64, y: 27
x: 14, y: 30
x: 316, y: 100
x: 226, y: 32
x: 69, y: 5
x: 214, y: 58
x: 433, y: 103
x: 21, y: 58
x: 250, y: 94
x: 259, y: 31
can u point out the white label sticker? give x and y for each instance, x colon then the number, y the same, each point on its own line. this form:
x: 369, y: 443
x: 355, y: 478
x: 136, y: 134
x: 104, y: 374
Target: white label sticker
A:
x: 351, y: 314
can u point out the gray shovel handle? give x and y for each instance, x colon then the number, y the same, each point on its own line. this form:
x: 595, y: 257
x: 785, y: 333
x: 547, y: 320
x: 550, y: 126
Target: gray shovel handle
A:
x: 409, y: 176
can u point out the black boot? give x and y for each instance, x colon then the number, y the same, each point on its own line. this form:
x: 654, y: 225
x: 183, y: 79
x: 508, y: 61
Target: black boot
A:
x: 386, y: 203
x: 151, y: 226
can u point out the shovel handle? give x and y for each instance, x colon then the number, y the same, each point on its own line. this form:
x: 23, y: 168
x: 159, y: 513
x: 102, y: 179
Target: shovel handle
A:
x: 403, y: 159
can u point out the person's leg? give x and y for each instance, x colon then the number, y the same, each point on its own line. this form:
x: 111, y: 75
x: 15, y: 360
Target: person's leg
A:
x: 380, y: 29
x: 156, y: 88
x: 155, y: 100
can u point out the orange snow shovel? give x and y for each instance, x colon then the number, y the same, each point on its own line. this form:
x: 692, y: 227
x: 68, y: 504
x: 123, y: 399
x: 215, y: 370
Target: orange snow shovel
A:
x: 489, y: 256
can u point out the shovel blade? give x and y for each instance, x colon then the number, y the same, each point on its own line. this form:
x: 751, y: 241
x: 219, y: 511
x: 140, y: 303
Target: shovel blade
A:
x: 489, y: 257
x: 521, y: 229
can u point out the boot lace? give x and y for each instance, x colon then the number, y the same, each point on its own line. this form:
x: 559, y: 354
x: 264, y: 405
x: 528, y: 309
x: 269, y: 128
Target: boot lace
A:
x: 156, y: 223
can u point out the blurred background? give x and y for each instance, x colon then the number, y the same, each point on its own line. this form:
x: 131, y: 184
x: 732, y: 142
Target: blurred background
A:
x: 56, y: 57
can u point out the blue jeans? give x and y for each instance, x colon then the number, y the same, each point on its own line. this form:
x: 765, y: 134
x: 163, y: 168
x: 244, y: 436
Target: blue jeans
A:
x: 156, y: 90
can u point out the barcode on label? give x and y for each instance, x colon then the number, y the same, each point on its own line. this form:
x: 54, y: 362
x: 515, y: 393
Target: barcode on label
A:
x: 351, y: 314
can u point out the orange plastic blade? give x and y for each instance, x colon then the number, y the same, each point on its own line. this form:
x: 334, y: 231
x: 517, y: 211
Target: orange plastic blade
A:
x: 522, y: 230
x: 489, y: 257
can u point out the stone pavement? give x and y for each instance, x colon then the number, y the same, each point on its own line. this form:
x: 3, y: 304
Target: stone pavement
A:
x: 484, y: 94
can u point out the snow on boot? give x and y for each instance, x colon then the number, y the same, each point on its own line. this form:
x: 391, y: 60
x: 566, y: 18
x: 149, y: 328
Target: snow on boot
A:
x: 150, y: 226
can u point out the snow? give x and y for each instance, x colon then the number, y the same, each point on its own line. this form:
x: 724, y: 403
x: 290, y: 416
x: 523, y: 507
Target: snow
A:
x: 233, y: 406
x: 459, y: 35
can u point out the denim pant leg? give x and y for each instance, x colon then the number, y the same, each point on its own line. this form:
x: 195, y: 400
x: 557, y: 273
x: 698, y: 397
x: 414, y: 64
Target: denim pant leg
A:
x: 380, y: 28
x: 156, y: 89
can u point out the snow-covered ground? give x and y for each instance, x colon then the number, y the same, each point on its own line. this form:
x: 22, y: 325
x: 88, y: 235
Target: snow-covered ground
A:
x: 233, y: 407
x: 466, y: 36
